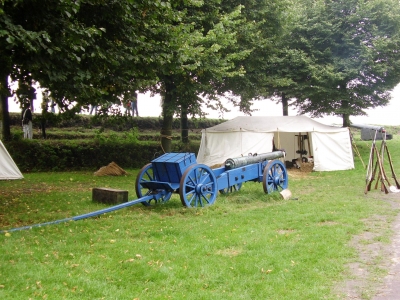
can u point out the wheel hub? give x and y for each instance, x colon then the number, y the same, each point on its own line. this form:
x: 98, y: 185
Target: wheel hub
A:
x: 201, y: 189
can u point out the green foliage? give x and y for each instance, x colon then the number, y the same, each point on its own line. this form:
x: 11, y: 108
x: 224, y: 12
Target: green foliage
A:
x: 202, y: 53
x: 355, y: 60
x: 129, y: 137
x: 82, y: 155
x: 84, y: 52
x: 135, y: 143
x: 260, y: 34
x: 109, y: 122
x: 331, y: 57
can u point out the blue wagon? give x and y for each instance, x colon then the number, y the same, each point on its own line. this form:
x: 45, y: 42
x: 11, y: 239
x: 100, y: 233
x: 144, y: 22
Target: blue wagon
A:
x: 198, y: 184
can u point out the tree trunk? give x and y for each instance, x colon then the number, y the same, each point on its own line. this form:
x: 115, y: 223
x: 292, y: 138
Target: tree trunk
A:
x: 5, y: 132
x: 168, y: 116
x: 285, y: 105
x: 345, y: 114
x: 43, y: 117
x: 184, y: 126
x: 346, y: 120
x: 43, y: 127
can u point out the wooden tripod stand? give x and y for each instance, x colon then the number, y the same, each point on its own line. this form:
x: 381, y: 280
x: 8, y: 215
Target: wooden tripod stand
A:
x: 373, y: 167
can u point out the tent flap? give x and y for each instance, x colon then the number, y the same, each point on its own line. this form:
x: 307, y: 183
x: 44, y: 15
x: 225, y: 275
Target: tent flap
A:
x: 332, y: 151
x: 8, y: 169
x: 218, y: 147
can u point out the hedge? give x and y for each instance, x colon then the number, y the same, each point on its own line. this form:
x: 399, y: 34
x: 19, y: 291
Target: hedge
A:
x: 68, y: 150
x: 113, y: 122
x: 46, y: 155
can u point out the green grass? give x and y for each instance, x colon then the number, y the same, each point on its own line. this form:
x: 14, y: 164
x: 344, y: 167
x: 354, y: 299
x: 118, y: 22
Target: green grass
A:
x: 248, y: 245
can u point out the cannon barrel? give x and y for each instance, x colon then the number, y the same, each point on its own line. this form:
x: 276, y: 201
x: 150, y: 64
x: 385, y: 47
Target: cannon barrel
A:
x: 372, y: 127
x: 233, y: 163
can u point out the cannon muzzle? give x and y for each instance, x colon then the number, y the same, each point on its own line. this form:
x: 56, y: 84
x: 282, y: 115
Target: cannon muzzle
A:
x: 233, y: 163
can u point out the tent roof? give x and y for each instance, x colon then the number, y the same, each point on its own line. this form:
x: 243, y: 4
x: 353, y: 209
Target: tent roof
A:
x: 273, y: 124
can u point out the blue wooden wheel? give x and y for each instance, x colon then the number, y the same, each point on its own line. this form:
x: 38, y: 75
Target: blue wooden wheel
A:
x: 146, y: 174
x: 233, y: 188
x: 198, y: 186
x: 275, y: 177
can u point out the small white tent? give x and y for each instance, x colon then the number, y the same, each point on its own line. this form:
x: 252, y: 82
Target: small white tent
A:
x: 300, y: 136
x: 8, y: 168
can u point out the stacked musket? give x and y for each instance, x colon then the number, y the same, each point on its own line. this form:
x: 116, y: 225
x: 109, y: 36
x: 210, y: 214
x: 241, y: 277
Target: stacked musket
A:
x: 373, y: 166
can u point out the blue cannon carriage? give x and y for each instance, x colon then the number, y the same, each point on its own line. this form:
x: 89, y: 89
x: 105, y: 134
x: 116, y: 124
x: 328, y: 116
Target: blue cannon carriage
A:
x: 198, y: 184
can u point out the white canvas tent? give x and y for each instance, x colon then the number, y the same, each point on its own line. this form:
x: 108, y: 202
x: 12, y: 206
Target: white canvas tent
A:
x: 8, y: 169
x: 329, y: 146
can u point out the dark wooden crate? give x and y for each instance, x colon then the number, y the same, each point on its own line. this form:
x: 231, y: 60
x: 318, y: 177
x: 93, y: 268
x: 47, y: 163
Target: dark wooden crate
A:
x: 109, y: 196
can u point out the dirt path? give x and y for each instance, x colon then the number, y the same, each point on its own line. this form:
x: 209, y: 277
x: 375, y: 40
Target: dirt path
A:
x: 390, y: 290
x: 376, y: 274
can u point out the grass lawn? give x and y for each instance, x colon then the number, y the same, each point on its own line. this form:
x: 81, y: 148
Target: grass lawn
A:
x: 248, y: 245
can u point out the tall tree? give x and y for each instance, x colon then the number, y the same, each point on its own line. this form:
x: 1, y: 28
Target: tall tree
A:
x: 85, y: 52
x: 203, y: 53
x: 278, y: 68
x: 226, y: 44
x: 358, y: 40
x: 261, y: 33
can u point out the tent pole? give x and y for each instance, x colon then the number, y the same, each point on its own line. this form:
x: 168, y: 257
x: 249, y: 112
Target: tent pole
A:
x: 279, y: 147
x: 309, y: 145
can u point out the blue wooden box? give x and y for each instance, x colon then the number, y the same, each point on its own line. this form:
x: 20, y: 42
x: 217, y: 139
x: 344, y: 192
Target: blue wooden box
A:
x: 170, y: 166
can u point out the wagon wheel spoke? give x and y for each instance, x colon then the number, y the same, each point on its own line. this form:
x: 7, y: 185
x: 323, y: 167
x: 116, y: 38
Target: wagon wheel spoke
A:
x: 275, y: 177
x: 146, y: 174
x: 198, y: 186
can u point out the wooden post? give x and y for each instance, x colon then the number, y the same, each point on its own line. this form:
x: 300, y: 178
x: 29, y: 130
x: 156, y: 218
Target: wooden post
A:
x: 286, y: 194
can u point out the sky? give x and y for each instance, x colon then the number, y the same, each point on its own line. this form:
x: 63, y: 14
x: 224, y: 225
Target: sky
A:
x: 388, y: 115
x: 150, y: 107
